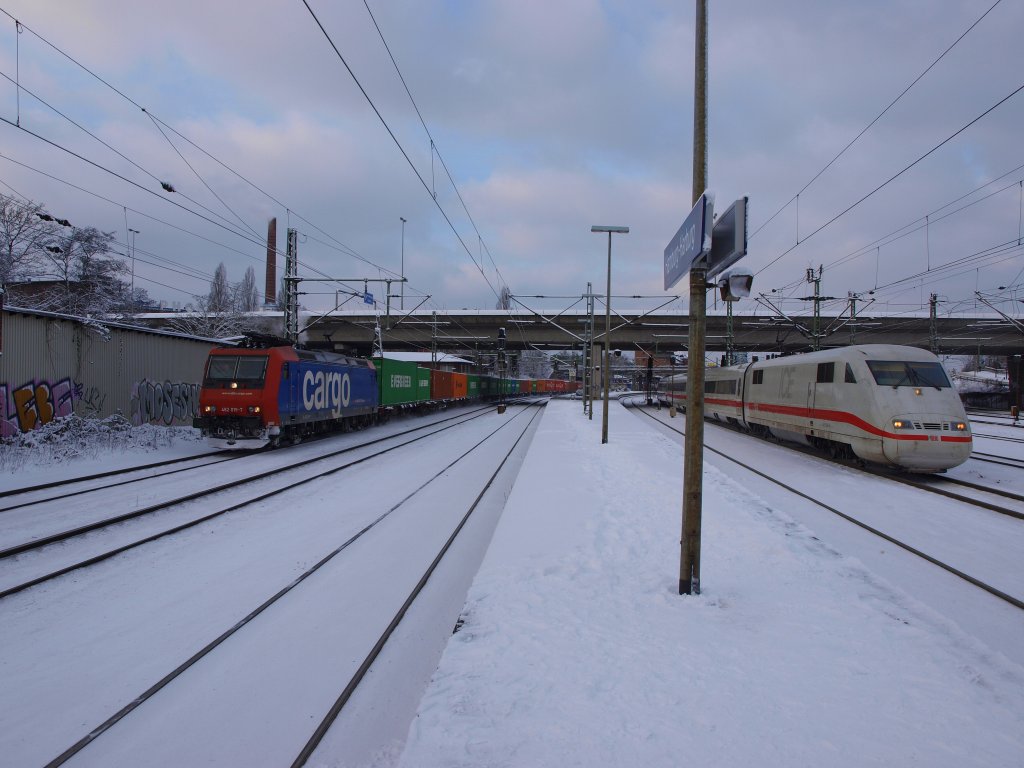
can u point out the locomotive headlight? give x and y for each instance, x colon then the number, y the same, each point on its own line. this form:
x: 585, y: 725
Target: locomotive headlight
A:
x: 210, y: 409
x: 901, y: 424
x: 960, y: 426
x: 234, y: 385
x: 254, y: 409
x: 917, y: 391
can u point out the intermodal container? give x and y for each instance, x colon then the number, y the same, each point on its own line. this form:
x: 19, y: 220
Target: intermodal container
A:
x: 460, y: 385
x: 474, y: 390
x: 442, y: 385
x: 401, y: 382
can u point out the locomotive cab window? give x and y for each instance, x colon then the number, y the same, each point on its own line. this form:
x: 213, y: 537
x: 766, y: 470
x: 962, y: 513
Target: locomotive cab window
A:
x: 850, y: 378
x: 826, y: 373
x: 904, y: 373
x: 246, y: 371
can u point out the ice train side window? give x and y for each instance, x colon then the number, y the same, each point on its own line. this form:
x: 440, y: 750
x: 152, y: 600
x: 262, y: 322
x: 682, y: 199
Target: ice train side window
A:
x: 850, y: 378
x: 826, y: 373
x: 759, y: 376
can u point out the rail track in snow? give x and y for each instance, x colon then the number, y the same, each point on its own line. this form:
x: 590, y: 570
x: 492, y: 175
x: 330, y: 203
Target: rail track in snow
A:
x: 1013, y: 600
x: 68, y: 561
x: 372, y: 652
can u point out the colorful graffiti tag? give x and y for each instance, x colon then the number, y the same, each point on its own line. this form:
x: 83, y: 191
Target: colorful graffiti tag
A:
x: 35, y: 403
x: 155, y: 402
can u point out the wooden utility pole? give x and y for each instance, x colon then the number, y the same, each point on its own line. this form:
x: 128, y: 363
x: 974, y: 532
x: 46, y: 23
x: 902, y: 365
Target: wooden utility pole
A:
x: 693, y: 452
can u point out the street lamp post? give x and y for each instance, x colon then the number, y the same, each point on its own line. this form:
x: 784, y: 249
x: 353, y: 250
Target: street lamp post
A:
x: 606, y: 372
x: 133, y: 233
x: 402, y: 299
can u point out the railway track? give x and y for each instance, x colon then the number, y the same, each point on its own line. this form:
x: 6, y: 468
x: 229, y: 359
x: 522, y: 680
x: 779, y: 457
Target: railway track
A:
x: 993, y: 458
x: 992, y: 590
x: 37, y: 494
x: 48, y: 573
x: 304, y: 582
x: 1004, y: 438
x: 85, y: 479
x: 935, y: 485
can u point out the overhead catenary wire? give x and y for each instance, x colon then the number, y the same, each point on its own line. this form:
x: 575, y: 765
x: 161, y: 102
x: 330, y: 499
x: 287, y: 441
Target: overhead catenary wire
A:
x: 401, y: 149
x: 433, y: 144
x: 199, y: 176
x: 342, y: 247
x: 893, y: 177
x: 878, y: 117
x: 164, y: 185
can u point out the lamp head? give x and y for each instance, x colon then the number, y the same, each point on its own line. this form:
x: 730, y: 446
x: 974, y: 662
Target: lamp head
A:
x: 736, y: 284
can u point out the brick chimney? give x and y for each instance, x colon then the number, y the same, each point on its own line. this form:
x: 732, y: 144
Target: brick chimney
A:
x: 270, y: 292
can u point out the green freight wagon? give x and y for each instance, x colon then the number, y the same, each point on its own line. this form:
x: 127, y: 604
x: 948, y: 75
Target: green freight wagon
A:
x: 401, y: 383
x: 474, y: 390
x: 488, y: 386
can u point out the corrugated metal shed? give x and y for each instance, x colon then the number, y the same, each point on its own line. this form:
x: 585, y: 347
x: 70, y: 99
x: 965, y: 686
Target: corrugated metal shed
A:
x: 52, y: 365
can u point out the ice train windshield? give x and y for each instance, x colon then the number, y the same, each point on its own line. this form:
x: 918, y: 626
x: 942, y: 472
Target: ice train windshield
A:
x: 903, y: 373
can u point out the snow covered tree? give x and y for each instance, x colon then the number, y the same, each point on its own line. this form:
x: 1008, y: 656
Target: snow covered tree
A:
x: 25, y: 231
x: 534, y: 364
x: 87, y: 279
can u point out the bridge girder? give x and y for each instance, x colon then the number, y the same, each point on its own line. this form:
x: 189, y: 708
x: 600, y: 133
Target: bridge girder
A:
x: 469, y: 330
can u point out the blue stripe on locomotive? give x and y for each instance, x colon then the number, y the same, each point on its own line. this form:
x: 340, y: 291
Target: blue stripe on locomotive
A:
x: 316, y: 391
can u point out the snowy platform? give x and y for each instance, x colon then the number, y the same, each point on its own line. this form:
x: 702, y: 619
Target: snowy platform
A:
x: 576, y: 649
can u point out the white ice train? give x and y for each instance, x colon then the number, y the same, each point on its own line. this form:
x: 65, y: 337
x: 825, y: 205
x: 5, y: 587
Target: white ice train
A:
x: 880, y: 403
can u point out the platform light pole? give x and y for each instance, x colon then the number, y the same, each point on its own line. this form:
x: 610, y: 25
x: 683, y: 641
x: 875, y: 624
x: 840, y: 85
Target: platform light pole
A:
x: 606, y: 372
x: 402, y: 298
x: 133, y: 233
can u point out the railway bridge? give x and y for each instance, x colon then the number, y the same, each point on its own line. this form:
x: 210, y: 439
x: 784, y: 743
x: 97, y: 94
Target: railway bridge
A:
x: 655, y: 332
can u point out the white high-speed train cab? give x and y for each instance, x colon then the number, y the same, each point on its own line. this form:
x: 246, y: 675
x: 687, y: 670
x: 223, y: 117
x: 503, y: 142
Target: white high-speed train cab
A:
x: 881, y: 403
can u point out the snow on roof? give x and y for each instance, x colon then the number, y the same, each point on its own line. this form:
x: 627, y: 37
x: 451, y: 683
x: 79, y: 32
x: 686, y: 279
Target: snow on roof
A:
x: 426, y: 357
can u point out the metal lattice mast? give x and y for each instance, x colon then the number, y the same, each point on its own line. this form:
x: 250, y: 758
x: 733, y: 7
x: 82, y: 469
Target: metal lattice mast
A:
x: 291, y: 289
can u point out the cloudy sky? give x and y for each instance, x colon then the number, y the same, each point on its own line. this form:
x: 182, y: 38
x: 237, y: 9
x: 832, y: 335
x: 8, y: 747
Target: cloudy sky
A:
x: 550, y: 117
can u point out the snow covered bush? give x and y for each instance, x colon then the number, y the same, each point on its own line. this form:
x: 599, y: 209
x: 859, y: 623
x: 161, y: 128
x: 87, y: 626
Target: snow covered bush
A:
x: 74, y: 437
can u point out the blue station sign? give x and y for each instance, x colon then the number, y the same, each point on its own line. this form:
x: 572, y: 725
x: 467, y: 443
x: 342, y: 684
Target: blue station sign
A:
x: 692, y: 242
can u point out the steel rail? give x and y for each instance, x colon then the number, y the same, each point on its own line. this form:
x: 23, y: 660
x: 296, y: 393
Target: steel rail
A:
x: 204, y: 518
x: 86, y: 478
x: 146, y: 695
x: 332, y: 715
x: 61, y: 497
x: 1017, y: 603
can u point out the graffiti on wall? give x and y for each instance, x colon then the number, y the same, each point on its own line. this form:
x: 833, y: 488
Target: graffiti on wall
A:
x: 34, y: 403
x: 155, y: 402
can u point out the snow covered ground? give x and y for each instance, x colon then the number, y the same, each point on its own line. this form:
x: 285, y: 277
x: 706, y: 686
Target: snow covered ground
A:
x: 810, y: 645
x: 577, y: 651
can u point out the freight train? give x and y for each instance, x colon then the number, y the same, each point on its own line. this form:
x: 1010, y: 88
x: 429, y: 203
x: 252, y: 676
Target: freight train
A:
x: 256, y: 396
x: 878, y: 403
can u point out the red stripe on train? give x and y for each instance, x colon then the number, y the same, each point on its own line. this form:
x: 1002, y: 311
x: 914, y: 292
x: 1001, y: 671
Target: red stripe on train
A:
x: 825, y: 415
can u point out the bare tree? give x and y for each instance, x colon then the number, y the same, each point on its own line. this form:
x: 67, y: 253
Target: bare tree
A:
x: 246, y: 294
x: 219, y: 297
x: 534, y: 364
x: 504, y: 298
x: 200, y: 318
x: 25, y: 231
x: 222, y: 313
